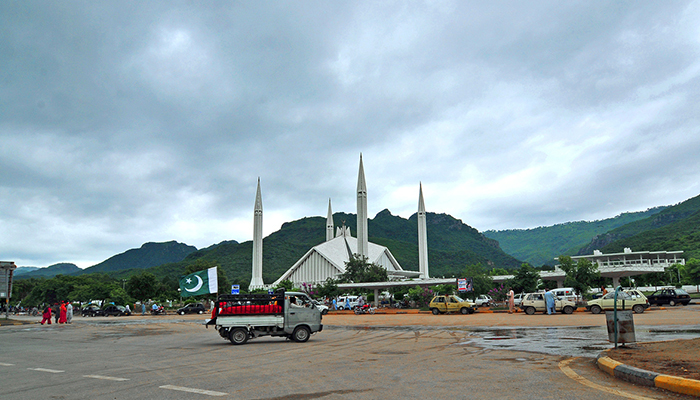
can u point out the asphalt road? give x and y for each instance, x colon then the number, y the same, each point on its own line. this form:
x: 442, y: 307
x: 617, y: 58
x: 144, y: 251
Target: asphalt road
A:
x: 387, y: 357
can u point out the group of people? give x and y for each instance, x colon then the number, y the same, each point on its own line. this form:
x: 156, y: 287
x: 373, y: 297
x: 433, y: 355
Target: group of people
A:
x: 63, y: 313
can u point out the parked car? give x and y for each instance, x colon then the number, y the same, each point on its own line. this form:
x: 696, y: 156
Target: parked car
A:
x: 117, y: 311
x: 341, y: 302
x: 670, y: 296
x: 624, y: 302
x: 193, y: 308
x: 518, y: 298
x: 451, y: 303
x: 533, y: 302
x: 483, y: 300
x: 321, y: 307
x: 565, y: 293
x: 91, y: 310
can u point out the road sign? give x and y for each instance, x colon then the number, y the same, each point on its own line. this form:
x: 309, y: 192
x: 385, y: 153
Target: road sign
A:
x: 235, y: 289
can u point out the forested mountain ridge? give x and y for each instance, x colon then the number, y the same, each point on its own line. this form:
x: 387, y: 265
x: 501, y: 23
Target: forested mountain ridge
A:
x: 539, y: 246
x: 668, y: 216
x: 452, y: 246
x: 148, y: 255
x: 50, y: 271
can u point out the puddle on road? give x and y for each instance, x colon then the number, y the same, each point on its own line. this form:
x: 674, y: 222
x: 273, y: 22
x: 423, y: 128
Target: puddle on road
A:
x: 567, y: 341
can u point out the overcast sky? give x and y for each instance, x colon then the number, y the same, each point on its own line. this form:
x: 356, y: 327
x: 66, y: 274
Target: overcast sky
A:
x: 128, y: 122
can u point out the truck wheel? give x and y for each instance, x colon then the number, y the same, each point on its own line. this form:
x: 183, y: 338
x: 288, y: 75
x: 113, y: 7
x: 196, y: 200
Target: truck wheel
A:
x: 638, y: 308
x: 596, y: 309
x: 568, y: 310
x: 301, y: 334
x: 530, y: 310
x: 238, y: 336
x: 435, y: 311
x: 464, y: 310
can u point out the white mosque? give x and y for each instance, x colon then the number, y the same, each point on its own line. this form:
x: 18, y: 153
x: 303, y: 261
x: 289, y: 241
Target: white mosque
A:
x: 328, y: 259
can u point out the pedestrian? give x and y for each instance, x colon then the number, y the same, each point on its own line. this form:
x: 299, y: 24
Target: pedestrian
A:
x: 549, y: 300
x: 335, y: 304
x: 56, y: 312
x: 511, y: 301
x: 69, y: 313
x: 604, y: 290
x: 347, y: 303
x: 62, y: 317
x: 46, y: 315
x: 143, y: 308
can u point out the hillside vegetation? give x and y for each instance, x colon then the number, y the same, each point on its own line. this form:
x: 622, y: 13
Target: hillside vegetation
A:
x: 539, y: 246
x: 452, y: 244
x: 669, y: 216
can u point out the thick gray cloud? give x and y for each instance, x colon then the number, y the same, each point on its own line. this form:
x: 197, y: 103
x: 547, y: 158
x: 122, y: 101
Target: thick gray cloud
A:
x: 126, y: 122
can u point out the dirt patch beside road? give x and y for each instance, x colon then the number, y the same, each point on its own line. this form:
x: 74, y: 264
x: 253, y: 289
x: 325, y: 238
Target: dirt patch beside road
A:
x: 676, y: 357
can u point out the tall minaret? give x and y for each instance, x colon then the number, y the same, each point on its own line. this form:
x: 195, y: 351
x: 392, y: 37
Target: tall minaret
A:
x: 257, y: 281
x: 422, y: 237
x: 329, y: 222
x: 362, y: 239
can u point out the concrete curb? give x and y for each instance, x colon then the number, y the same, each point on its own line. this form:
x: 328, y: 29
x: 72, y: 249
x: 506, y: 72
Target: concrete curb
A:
x: 647, y: 378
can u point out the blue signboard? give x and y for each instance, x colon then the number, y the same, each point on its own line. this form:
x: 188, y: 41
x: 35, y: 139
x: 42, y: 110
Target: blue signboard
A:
x: 235, y: 289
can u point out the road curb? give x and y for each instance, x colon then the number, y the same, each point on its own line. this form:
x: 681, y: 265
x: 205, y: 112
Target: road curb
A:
x: 647, y: 378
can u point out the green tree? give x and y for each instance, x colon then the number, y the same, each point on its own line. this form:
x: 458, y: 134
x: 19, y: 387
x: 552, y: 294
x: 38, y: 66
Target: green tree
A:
x: 525, y: 280
x: 581, y: 275
x: 421, y: 296
x: 329, y: 288
x: 691, y: 271
x: 143, y: 286
x: 358, y: 269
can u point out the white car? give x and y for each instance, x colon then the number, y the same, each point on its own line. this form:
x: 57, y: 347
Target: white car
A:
x: 321, y: 307
x: 483, y: 300
x: 518, y: 298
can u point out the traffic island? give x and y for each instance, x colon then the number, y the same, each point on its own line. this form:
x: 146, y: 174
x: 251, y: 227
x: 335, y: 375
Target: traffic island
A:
x: 645, y: 377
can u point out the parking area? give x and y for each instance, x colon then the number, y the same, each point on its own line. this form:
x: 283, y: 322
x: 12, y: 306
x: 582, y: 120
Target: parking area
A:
x: 356, y: 356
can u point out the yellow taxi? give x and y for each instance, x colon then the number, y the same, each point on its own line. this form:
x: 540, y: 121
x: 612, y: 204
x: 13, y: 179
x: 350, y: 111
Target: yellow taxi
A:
x: 450, y: 303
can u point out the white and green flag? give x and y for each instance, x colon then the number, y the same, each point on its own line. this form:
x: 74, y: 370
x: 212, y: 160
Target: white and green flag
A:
x: 201, y: 282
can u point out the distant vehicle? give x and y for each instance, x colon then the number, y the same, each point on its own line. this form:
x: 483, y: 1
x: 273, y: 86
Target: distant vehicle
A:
x: 670, y: 296
x: 518, y: 298
x: 341, y: 302
x: 321, y: 307
x: 193, y: 308
x: 624, y: 302
x: 451, y: 303
x: 483, y: 300
x: 91, y: 310
x: 565, y: 293
x: 117, y: 311
x: 534, y: 302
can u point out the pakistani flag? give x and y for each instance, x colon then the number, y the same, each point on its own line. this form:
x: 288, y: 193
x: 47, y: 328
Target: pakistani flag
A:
x: 201, y: 282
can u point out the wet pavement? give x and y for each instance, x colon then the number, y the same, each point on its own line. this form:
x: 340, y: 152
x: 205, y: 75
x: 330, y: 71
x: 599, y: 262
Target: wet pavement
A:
x: 569, y: 341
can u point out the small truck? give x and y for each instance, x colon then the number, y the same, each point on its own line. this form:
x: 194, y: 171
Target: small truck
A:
x: 240, y: 317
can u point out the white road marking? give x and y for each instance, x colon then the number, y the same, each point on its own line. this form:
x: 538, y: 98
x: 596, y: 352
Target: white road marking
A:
x: 53, y: 371
x: 108, y: 378
x: 6, y: 364
x: 564, y: 367
x: 192, y: 390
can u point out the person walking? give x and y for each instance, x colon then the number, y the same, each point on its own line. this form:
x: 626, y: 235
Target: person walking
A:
x: 335, y: 304
x: 46, y: 316
x: 549, y: 300
x: 511, y: 301
x: 56, y: 312
x: 62, y: 317
x: 347, y: 303
x: 69, y: 313
x: 143, y: 308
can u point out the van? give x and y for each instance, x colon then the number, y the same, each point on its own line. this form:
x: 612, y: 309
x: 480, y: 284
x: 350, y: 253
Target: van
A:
x: 566, y: 293
x: 341, y: 302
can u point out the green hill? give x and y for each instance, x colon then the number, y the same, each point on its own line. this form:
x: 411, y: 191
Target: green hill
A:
x: 452, y: 245
x: 669, y: 216
x: 539, y: 246
x: 148, y: 255
x: 680, y: 235
x: 51, y: 271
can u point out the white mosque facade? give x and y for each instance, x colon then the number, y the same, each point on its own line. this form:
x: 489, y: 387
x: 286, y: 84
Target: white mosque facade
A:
x: 328, y: 259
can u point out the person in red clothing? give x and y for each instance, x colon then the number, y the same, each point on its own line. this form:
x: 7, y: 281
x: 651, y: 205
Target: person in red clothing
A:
x: 46, y: 315
x: 62, y: 319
